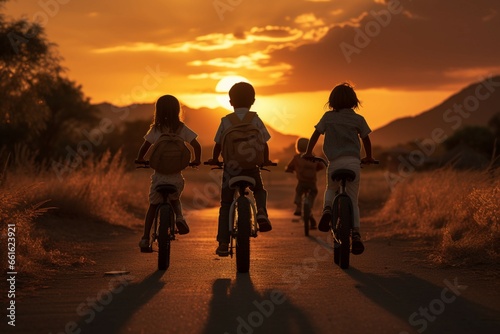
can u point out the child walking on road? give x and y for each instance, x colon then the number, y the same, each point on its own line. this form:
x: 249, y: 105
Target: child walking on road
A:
x: 166, y: 120
x: 342, y: 128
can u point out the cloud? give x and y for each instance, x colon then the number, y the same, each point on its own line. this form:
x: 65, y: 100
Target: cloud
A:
x: 419, y: 45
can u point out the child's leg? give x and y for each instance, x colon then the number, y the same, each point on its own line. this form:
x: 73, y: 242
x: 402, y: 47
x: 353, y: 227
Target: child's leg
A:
x: 148, y: 221
x: 177, y: 206
x: 313, y: 192
x: 259, y: 193
x: 225, y: 201
x: 331, y: 186
x: 299, y: 190
x: 352, y: 189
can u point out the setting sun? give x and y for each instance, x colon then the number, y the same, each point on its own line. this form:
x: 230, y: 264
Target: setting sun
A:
x: 223, y: 87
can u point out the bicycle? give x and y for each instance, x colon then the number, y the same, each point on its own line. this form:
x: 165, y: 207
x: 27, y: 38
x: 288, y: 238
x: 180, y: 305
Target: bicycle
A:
x: 306, y: 214
x: 163, y: 230
x: 242, y: 218
x: 341, y: 224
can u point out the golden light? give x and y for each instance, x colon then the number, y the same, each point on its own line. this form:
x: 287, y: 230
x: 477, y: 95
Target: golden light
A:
x: 223, y: 87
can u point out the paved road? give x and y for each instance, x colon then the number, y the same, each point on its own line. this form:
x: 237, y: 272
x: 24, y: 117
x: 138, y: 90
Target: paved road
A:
x: 292, y: 287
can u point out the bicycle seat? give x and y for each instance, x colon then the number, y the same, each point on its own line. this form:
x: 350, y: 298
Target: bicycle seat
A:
x: 241, y: 181
x: 166, y: 189
x: 340, y: 174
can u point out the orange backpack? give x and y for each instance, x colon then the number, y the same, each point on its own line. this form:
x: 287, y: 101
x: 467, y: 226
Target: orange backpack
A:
x: 169, y: 154
x: 243, y: 142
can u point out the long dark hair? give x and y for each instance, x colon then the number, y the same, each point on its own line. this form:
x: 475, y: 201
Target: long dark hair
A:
x: 343, y: 96
x: 167, y: 115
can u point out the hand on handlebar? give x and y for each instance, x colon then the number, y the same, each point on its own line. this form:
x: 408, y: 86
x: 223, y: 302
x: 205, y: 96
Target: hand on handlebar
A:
x: 369, y: 161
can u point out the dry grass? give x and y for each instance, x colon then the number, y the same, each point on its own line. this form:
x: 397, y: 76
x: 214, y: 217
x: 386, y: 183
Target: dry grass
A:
x: 97, y: 191
x: 15, y: 212
x: 459, y: 209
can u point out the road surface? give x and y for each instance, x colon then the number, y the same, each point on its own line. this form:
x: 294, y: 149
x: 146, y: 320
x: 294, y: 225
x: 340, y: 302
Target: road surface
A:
x: 292, y: 287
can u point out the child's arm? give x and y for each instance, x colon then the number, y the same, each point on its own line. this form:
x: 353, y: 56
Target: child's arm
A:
x: 215, y: 154
x: 290, y: 168
x: 142, y: 151
x: 367, y: 144
x: 197, y: 152
x: 312, y: 142
x: 266, y: 155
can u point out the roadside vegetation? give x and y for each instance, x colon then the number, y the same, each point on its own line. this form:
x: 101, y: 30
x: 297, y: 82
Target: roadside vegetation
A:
x: 458, y: 209
x: 95, y: 192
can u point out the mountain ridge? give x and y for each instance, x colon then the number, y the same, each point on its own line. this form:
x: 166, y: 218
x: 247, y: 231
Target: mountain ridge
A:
x: 473, y: 105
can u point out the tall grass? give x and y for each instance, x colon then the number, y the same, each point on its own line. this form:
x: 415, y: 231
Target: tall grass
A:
x: 97, y: 191
x: 459, y: 209
x: 17, y: 213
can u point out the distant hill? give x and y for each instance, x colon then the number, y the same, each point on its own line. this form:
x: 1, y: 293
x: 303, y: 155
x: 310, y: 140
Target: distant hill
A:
x: 203, y: 121
x: 473, y: 105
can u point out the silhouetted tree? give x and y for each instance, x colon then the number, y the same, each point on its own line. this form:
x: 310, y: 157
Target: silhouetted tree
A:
x: 494, y: 124
x: 38, y: 106
x: 478, y: 138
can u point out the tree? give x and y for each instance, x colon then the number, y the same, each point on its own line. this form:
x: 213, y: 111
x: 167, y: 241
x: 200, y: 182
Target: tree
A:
x: 480, y: 139
x: 39, y: 107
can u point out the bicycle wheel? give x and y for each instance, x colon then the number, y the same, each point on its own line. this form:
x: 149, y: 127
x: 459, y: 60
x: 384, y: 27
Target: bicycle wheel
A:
x: 344, y: 224
x: 306, y: 214
x: 165, y: 220
x: 243, y: 235
x: 336, y: 243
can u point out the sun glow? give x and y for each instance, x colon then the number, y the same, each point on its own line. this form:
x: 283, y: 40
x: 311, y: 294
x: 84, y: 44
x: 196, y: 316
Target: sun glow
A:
x: 223, y: 87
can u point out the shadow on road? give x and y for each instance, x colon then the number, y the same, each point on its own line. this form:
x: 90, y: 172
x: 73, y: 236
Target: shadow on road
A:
x: 239, y: 308
x: 426, y: 306
x: 110, y: 317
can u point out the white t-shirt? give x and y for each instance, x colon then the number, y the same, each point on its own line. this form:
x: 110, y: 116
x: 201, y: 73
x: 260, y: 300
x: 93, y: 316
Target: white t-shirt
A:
x: 241, y: 112
x: 343, y: 130
x: 186, y: 133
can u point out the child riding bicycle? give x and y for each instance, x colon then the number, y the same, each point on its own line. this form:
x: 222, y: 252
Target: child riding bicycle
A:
x: 342, y: 128
x: 305, y: 171
x: 242, y: 97
x: 166, y: 120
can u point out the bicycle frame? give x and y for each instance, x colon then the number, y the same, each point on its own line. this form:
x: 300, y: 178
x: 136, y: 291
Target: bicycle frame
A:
x: 233, y: 223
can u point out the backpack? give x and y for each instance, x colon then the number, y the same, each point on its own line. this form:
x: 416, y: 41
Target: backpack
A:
x: 306, y: 170
x: 169, y: 154
x: 242, y: 142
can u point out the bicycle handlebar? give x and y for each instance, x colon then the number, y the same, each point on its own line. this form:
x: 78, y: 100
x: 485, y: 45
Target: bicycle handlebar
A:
x: 145, y: 164
x: 220, y: 165
x: 324, y: 162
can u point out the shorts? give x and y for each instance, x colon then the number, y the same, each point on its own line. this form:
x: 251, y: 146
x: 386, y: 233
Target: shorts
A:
x: 157, y: 179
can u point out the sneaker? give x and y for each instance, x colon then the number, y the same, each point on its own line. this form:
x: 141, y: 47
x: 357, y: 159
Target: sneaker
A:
x: 326, y: 218
x: 145, y: 246
x: 312, y: 221
x: 357, y: 245
x: 182, y: 226
x: 263, y: 220
x: 223, y: 249
x: 298, y: 211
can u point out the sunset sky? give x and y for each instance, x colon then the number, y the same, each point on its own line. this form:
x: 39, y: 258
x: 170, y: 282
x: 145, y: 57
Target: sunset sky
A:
x: 404, y: 57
